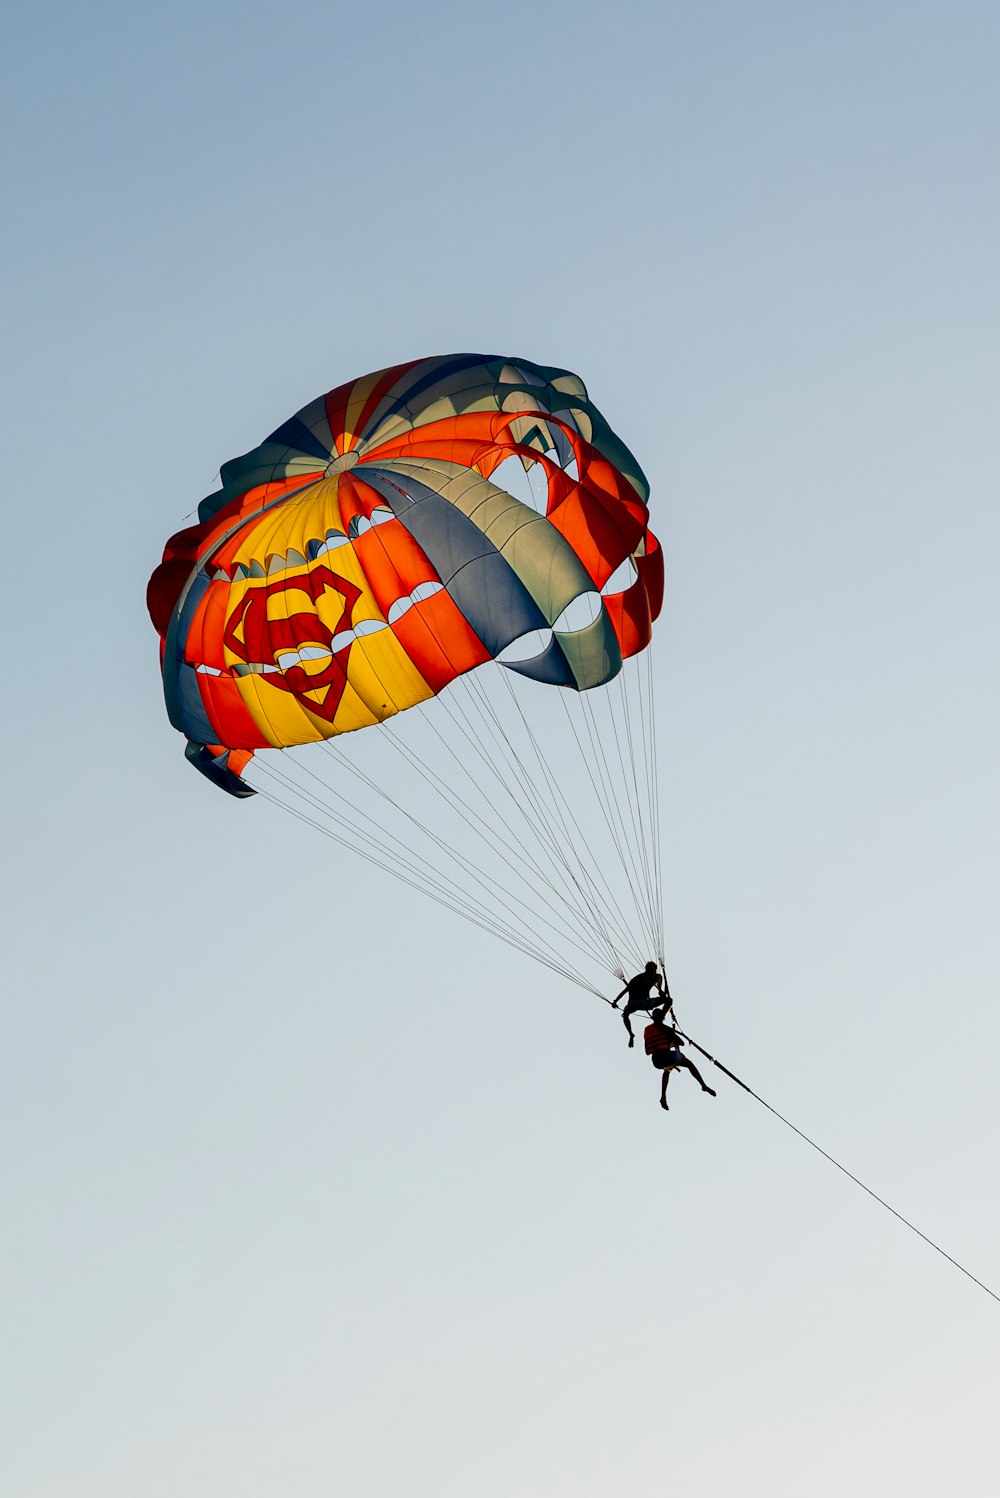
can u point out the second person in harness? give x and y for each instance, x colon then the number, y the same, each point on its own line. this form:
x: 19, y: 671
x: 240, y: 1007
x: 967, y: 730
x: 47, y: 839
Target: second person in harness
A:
x: 663, y: 1047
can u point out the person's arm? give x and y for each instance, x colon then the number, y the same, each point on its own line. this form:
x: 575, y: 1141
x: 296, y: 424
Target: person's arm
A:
x: 619, y: 996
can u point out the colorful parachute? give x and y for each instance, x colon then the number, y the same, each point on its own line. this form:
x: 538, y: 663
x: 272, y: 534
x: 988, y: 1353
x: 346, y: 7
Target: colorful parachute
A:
x: 391, y: 537
x: 370, y: 551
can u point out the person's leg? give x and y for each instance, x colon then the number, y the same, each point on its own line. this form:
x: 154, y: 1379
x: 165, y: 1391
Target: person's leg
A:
x: 697, y: 1076
x: 627, y: 1012
x: 663, y: 1088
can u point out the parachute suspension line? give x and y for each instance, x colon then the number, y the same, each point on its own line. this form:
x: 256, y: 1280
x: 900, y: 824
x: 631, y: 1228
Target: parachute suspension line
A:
x: 611, y: 804
x: 359, y: 839
x: 457, y: 895
x: 639, y: 842
x: 550, y: 848
x: 423, y: 888
x: 459, y: 803
x: 603, y: 794
x: 644, y: 698
x: 626, y: 739
x: 643, y: 832
x: 493, y: 888
x: 562, y: 846
x: 597, y: 895
x: 655, y: 786
x: 424, y: 876
x: 638, y: 738
x: 471, y: 818
x: 542, y: 795
x: 536, y: 827
x: 643, y: 705
x: 595, y: 891
x: 611, y: 809
x: 842, y: 1168
x: 588, y: 875
x: 557, y: 905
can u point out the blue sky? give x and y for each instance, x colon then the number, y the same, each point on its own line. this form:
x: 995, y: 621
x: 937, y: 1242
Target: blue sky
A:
x: 306, y: 1189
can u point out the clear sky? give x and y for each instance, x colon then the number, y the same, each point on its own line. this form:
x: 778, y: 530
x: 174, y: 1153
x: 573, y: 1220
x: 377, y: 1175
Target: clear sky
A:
x: 309, y: 1191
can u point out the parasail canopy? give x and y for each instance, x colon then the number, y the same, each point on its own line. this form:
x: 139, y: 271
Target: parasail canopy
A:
x: 394, y: 536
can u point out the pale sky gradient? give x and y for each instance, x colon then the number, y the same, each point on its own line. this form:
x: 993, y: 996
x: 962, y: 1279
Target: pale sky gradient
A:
x: 308, y: 1193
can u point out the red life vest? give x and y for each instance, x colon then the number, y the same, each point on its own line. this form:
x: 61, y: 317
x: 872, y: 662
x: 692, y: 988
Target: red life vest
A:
x: 658, y: 1038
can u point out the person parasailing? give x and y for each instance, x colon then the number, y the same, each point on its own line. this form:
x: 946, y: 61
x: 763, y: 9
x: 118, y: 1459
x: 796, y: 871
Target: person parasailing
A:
x: 663, y: 1047
x: 639, y: 990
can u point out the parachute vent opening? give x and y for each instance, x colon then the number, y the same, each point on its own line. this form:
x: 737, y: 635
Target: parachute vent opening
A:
x: 526, y: 647
x: 253, y: 668
x: 344, y: 638
x: 276, y: 562
x: 420, y: 593
x: 621, y: 579
x: 530, y: 485
x: 369, y: 627
x: 330, y: 542
x: 362, y: 523
x: 288, y: 658
x: 580, y: 614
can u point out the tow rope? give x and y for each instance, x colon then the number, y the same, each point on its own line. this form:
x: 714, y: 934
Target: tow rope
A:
x: 826, y: 1156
